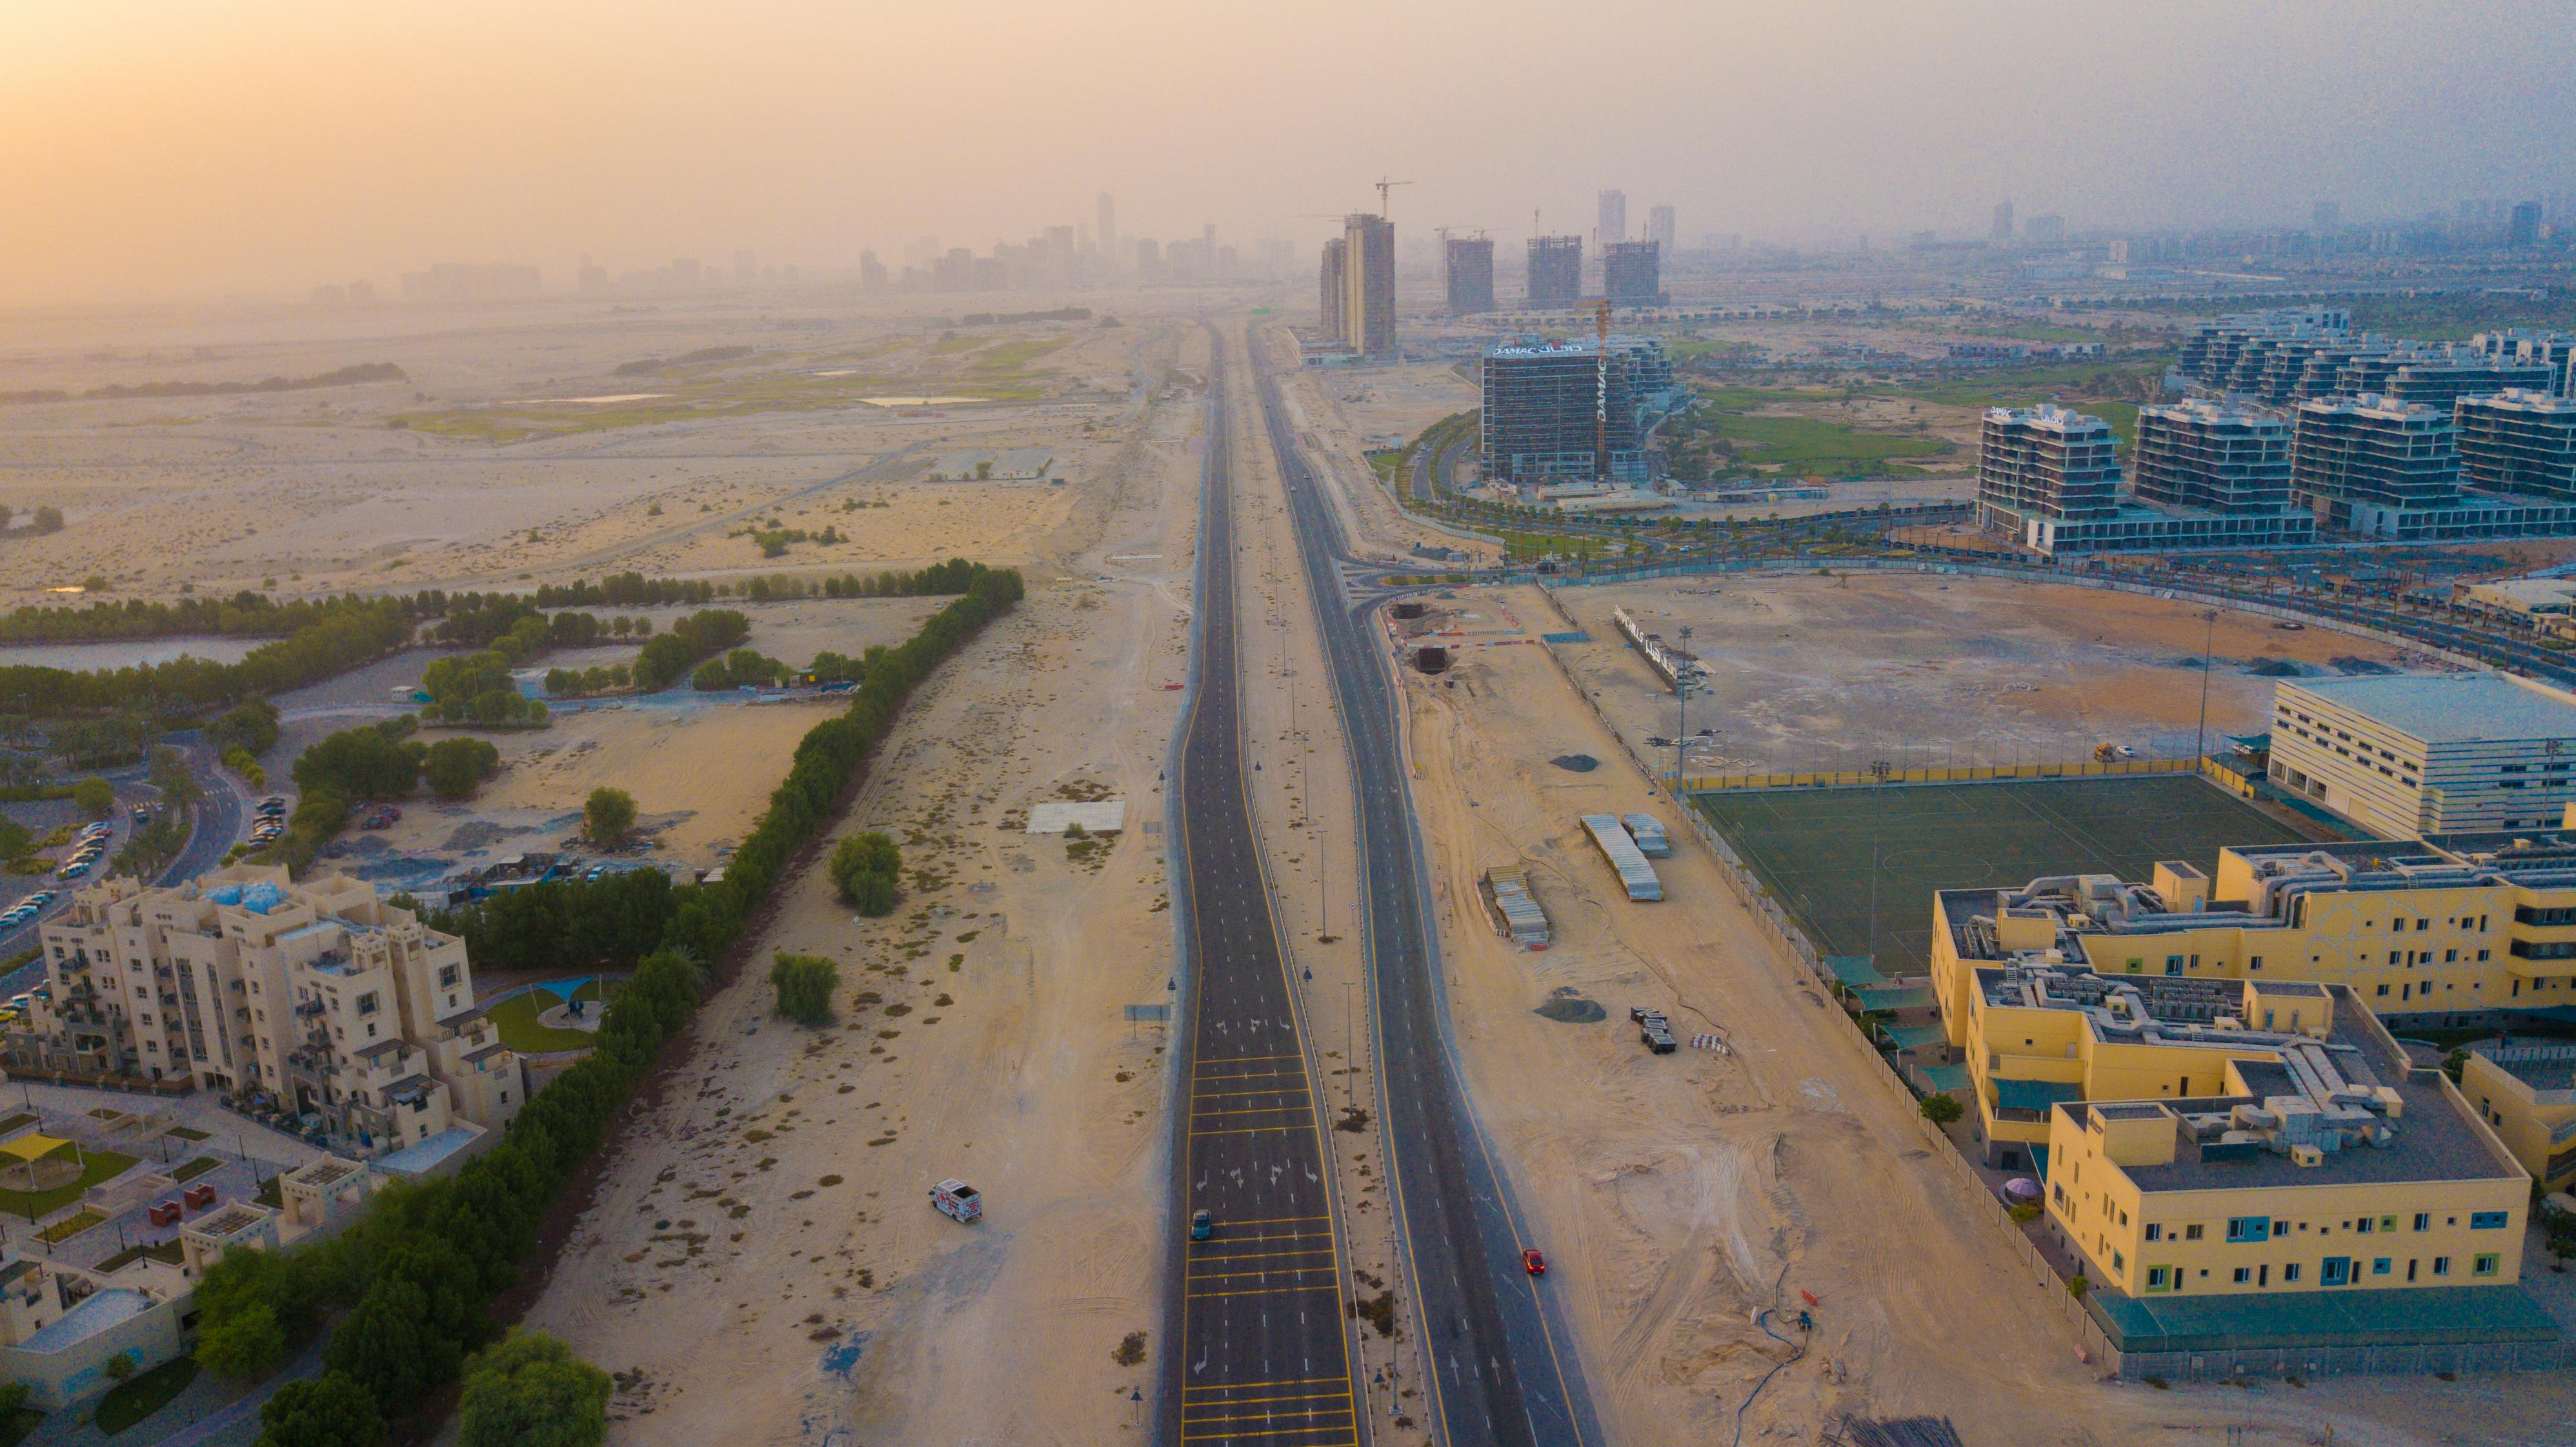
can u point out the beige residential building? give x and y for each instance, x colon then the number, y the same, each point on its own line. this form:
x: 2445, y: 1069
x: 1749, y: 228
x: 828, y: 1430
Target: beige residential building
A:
x: 317, y: 996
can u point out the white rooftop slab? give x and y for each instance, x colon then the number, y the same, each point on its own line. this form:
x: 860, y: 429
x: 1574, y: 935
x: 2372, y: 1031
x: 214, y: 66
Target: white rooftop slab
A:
x: 2451, y: 708
x: 1106, y: 817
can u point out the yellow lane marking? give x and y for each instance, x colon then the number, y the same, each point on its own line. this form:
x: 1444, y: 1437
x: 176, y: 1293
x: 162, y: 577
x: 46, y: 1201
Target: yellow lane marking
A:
x: 1275, y: 1416
x: 1187, y: 1388
x: 1244, y: 1110
x: 1343, y: 1395
x: 1264, y: 1271
x: 1331, y: 1286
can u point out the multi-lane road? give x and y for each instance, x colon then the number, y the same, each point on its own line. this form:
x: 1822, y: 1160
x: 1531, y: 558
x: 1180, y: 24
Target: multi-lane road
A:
x: 1259, y: 1352
x: 1501, y: 1364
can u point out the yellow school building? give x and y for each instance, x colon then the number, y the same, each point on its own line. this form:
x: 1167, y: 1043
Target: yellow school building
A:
x: 2526, y: 1091
x: 2462, y: 932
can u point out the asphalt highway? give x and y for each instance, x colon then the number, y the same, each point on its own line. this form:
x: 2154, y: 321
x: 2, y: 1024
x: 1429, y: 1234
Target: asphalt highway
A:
x: 1504, y: 1367
x: 1261, y: 1354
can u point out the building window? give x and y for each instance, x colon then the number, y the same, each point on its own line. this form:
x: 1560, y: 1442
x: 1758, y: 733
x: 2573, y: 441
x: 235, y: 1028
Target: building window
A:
x: 2119, y: 1263
x: 2244, y: 1275
x: 2485, y: 1265
x: 2441, y: 1266
x: 2254, y: 963
x: 2249, y: 1228
x: 447, y: 976
x: 2290, y: 1272
x: 2155, y: 1231
x: 367, y: 1004
x: 2379, y: 1266
x: 2191, y: 1232
x: 2488, y: 1220
x: 2155, y: 1278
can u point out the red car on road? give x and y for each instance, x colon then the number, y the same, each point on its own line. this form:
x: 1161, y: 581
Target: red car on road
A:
x: 1532, y: 1262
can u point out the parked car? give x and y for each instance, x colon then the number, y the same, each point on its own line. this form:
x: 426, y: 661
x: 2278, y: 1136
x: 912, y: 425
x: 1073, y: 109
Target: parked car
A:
x: 1532, y: 1262
x: 957, y: 1200
x: 1202, y: 1225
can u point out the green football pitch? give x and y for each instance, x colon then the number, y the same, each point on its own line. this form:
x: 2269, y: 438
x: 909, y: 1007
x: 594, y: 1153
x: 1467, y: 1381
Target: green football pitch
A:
x: 1857, y: 868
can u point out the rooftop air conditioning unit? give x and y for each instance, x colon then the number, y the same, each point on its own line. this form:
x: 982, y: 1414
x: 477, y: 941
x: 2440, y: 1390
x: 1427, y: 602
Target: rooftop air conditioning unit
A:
x: 2305, y: 1155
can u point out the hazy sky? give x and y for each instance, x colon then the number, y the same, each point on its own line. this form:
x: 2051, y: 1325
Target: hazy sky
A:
x: 190, y: 147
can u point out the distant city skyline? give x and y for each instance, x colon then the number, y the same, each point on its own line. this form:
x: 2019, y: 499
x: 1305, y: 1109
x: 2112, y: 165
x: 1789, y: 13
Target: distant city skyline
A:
x: 272, y: 149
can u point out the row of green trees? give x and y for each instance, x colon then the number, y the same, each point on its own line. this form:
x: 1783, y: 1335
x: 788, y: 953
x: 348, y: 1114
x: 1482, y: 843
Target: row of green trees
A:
x: 355, y: 632
x: 244, y: 613
x: 667, y: 659
x: 627, y: 590
x: 741, y: 668
x: 939, y: 580
x: 476, y: 688
x: 562, y: 924
x: 417, y: 1274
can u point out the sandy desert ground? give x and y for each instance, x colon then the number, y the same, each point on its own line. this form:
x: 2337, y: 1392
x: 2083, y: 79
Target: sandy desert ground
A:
x: 1925, y: 669
x: 514, y: 448
x: 762, y: 1263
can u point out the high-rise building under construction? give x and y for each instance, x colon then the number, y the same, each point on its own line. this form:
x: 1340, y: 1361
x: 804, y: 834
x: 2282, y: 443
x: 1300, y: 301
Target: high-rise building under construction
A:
x: 1555, y: 270
x: 1368, y: 286
x: 1467, y: 269
x: 1334, y: 275
x: 1631, y: 273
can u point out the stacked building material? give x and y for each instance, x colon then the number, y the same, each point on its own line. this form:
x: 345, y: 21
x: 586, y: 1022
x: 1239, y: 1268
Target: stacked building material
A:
x: 1617, y: 846
x: 1648, y: 831
x: 1522, y: 919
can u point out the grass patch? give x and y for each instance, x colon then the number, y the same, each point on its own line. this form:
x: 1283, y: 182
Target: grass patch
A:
x: 131, y: 1402
x: 15, y: 1122
x: 183, y: 1132
x: 1813, y: 847
x: 1520, y: 545
x: 70, y: 1226
x: 516, y: 1019
x: 169, y: 1253
x: 192, y: 1169
x: 101, y: 1166
x: 1813, y: 440
x: 20, y: 1423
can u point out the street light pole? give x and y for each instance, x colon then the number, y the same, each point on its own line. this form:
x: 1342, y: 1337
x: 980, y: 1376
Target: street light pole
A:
x: 1681, y: 728
x: 2200, y: 731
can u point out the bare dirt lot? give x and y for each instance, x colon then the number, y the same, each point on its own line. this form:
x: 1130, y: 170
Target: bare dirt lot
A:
x: 1927, y: 669
x: 1677, y: 1195
x: 762, y: 1263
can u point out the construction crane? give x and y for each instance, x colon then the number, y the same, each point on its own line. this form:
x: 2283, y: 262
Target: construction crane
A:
x: 1383, y: 186
x: 1601, y: 390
